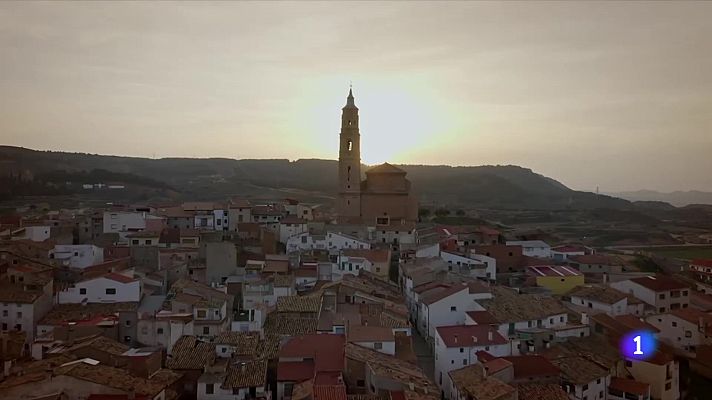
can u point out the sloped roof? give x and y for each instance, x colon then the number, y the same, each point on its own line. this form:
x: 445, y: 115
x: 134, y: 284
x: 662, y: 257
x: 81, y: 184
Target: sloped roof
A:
x: 244, y: 375
x: 385, y: 168
x: 190, y: 353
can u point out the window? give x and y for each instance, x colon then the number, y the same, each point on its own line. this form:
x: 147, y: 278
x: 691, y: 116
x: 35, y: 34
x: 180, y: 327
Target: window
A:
x: 585, y: 387
x: 135, y: 241
x: 159, y: 331
x: 668, y: 386
x: 4, y: 326
x: 148, y: 242
x: 201, y: 314
x: 462, y: 350
x: 223, y: 350
x: 674, y: 324
x: 378, y: 345
x: 464, y: 361
x: 209, y: 388
x: 360, y: 383
x: 598, y: 381
x: 453, y: 308
x: 4, y: 313
x: 110, y: 290
x: 19, y: 314
x: 288, y: 389
x: 206, y: 330
x: 83, y: 291
x: 662, y: 296
x: 688, y: 334
x: 127, y: 339
x: 561, y: 319
x: 128, y: 323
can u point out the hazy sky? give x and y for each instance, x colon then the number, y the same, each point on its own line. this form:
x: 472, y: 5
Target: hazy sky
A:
x: 616, y: 95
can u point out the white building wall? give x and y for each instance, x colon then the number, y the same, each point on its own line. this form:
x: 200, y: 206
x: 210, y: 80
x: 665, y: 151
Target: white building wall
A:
x: 221, y: 219
x: 337, y: 241
x: 618, y: 308
x: 532, y: 248
x: 34, y: 233
x: 122, y: 221
x: 286, y: 231
x: 429, y: 251
x: 13, y: 314
x: 678, y: 332
x: 78, y: 255
x: 441, y: 313
x: 99, y: 291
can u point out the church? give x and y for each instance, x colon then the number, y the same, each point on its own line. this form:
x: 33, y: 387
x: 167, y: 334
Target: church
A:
x: 384, y: 197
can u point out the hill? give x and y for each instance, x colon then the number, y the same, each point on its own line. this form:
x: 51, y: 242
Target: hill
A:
x: 500, y: 187
x: 678, y: 198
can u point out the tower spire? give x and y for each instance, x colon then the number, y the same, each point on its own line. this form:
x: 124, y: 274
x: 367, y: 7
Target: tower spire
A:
x: 350, y: 99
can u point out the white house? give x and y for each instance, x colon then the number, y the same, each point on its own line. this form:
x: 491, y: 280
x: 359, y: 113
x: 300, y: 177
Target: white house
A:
x: 124, y: 221
x: 340, y: 241
x: 562, y: 253
x: 532, y: 248
x: 600, y: 299
x: 456, y: 346
x: 476, y: 265
x: 684, y: 329
x: 290, y: 226
x: 221, y: 219
x: 77, y: 255
x: 446, y: 304
x: 380, y: 339
x: 661, y: 292
x: 33, y: 233
x: 109, y: 288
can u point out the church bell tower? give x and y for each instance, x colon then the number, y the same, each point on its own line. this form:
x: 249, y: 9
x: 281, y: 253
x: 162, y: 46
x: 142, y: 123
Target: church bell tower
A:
x: 349, y: 197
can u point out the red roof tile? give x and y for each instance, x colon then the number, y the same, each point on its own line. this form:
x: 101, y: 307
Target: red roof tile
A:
x: 329, y: 392
x: 119, y: 278
x: 629, y: 386
x: 702, y: 263
x: 659, y: 283
x: 482, y: 317
x: 569, y: 249
x: 295, y: 371
x: 326, y: 350
x: 470, y: 335
x: 532, y: 366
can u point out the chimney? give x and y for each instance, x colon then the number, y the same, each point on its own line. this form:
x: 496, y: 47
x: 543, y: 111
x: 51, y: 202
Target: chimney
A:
x: 584, y: 318
x: 605, y: 278
x: 455, y: 338
x: 474, y: 339
x: 490, y: 336
x: 411, y: 386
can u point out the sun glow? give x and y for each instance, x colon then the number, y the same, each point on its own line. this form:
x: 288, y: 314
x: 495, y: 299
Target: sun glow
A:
x: 396, y: 120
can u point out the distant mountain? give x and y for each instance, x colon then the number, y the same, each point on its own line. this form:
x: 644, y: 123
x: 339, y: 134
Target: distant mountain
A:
x: 496, y: 187
x: 678, y: 198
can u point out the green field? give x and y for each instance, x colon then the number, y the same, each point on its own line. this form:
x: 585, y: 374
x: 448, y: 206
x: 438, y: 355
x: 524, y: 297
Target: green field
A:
x: 685, y: 253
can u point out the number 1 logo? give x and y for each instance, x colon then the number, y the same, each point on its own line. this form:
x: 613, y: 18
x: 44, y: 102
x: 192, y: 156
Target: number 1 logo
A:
x: 637, y: 341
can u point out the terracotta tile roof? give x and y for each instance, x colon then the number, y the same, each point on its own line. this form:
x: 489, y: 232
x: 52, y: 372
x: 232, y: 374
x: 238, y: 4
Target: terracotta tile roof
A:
x: 374, y: 256
x: 471, y: 382
x: 509, y: 306
x: 295, y: 371
x: 532, y: 366
x: 385, y: 168
x: 392, y: 321
x: 496, y: 365
x: 370, y: 334
x: 482, y: 317
x: 691, y: 315
x: 392, y: 367
x: 245, y: 375
x: 330, y: 392
x: 303, y: 304
x: 190, y: 353
x: 326, y: 350
x: 245, y: 342
x: 579, y: 370
x: 292, y: 219
x: 288, y: 325
x: 541, y: 391
x: 239, y: 203
x: 605, y: 294
x: 659, y: 283
x: 119, y: 278
x: 115, y: 378
x: 629, y: 386
x: 434, y: 295
x: 144, y: 234
x: 64, y: 313
x: 470, y: 335
x: 17, y: 294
